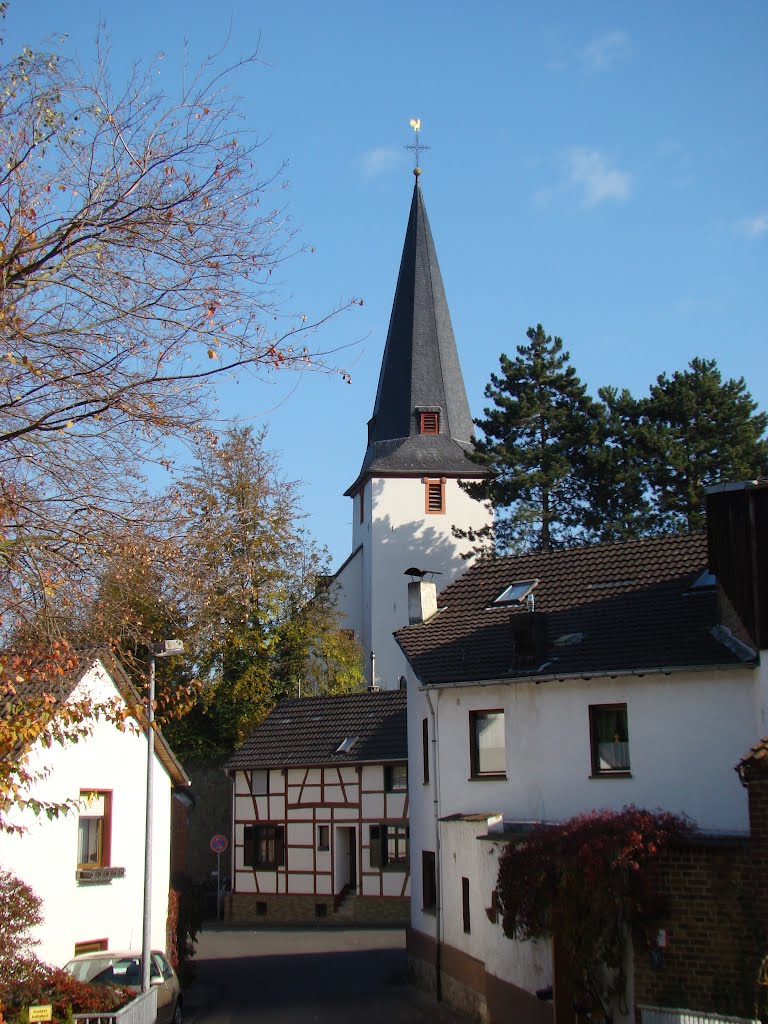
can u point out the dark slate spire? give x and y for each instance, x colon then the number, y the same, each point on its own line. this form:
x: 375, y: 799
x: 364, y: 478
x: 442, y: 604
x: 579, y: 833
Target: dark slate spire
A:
x: 420, y: 372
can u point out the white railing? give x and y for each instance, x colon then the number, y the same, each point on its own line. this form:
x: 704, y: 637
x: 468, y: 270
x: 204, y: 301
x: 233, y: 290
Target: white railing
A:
x: 141, y: 1010
x: 667, y: 1015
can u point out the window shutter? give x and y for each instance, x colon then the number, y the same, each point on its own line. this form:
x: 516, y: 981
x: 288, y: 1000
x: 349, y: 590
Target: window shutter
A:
x: 279, y: 846
x: 248, y: 846
x: 434, y: 495
x: 430, y: 423
x: 376, y: 846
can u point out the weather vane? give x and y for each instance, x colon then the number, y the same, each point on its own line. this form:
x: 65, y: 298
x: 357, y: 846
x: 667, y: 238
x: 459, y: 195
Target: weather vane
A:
x: 416, y: 146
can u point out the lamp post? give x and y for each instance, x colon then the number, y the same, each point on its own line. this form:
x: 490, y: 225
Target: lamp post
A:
x: 164, y: 649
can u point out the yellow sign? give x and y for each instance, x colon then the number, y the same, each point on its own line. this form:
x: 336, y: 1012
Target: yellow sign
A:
x: 37, y: 1013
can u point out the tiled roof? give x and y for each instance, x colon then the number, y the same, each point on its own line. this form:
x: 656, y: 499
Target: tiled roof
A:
x: 603, y: 608
x: 309, y: 730
x: 421, y: 454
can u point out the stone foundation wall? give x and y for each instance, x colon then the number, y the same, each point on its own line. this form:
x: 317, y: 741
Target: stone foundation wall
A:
x: 267, y: 908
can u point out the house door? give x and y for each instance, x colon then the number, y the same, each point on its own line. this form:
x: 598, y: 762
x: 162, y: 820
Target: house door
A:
x: 346, y: 858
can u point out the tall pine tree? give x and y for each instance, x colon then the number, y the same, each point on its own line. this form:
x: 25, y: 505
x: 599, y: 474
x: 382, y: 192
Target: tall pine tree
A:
x: 696, y: 430
x: 538, y: 436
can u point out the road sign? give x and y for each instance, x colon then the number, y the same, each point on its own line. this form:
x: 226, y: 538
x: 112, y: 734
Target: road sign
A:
x: 40, y: 1013
x: 219, y: 843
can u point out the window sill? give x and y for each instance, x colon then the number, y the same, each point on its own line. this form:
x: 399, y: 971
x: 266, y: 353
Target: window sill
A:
x: 611, y: 775
x: 489, y: 777
x: 98, y: 876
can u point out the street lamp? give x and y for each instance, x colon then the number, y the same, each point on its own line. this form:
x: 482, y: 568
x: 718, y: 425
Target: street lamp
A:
x: 164, y: 649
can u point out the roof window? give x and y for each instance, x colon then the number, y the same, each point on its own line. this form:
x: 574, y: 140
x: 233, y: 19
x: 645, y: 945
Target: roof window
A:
x: 569, y: 639
x: 346, y: 744
x: 704, y: 584
x: 516, y: 592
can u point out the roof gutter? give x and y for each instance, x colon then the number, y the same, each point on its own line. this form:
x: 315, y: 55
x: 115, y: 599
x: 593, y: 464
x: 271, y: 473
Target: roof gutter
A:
x: 562, y: 677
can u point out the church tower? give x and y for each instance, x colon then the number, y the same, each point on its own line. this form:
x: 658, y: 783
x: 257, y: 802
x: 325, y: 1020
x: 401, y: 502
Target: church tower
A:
x: 407, y: 497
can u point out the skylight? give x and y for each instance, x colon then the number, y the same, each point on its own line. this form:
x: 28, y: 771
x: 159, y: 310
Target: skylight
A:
x: 707, y: 581
x: 516, y: 592
x: 569, y: 639
x: 346, y: 744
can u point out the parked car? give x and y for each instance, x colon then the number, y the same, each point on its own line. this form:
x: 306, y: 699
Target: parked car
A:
x: 117, y: 967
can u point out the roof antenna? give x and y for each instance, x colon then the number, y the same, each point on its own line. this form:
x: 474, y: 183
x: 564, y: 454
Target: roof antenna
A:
x: 416, y: 146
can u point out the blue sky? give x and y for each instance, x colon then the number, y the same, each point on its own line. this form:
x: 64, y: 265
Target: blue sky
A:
x: 596, y: 167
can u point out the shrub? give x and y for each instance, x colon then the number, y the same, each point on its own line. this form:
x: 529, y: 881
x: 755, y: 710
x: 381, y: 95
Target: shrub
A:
x: 586, y: 881
x: 30, y: 982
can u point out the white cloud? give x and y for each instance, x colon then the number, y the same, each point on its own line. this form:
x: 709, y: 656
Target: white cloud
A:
x: 380, y: 161
x: 606, y: 50
x: 589, y: 171
x: 755, y: 226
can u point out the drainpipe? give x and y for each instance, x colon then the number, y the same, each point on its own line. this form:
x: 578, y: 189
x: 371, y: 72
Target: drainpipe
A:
x: 438, y: 870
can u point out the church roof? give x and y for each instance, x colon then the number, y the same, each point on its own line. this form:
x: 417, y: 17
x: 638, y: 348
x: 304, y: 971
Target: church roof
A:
x: 420, y: 372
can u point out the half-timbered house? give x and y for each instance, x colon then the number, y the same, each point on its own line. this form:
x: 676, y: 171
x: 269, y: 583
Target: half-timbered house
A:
x: 320, y: 812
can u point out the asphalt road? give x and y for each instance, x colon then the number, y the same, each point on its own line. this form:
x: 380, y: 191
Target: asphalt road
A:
x: 298, y: 976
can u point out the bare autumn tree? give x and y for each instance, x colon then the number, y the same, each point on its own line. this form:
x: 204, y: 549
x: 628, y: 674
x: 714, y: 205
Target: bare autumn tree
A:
x: 139, y: 247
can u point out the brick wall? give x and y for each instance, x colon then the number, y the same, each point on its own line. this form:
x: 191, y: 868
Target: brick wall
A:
x: 715, y: 895
x: 712, y: 932
x: 758, y: 817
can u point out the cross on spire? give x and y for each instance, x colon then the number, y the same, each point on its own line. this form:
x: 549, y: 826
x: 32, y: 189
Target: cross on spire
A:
x: 416, y: 146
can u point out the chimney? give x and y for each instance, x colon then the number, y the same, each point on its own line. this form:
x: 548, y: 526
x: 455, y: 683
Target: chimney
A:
x: 422, y: 601
x: 737, y: 528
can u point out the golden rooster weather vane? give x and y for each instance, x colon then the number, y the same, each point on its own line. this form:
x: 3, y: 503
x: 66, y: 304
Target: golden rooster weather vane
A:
x: 416, y: 145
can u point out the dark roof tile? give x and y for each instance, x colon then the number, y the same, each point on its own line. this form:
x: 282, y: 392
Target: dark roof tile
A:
x: 309, y: 730
x: 603, y: 608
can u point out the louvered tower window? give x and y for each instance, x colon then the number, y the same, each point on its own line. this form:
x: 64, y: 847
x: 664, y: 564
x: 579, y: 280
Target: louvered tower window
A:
x: 429, y: 422
x: 434, y: 496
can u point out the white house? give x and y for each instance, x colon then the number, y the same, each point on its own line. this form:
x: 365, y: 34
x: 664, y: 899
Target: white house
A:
x: 320, y: 813
x: 88, y: 865
x: 552, y: 684
x: 407, y: 497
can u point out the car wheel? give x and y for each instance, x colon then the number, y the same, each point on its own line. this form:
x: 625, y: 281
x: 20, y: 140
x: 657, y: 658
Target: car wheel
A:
x: 176, y: 1019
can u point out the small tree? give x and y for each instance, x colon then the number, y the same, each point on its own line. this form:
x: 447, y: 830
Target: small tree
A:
x: 586, y: 881
x: 537, y: 436
x: 248, y: 580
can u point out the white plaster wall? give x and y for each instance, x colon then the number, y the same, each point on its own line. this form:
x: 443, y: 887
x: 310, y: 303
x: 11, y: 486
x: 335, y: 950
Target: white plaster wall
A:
x: 348, y: 593
x: 403, y: 535
x: 526, y: 964
x: 46, y: 856
x: 686, y: 733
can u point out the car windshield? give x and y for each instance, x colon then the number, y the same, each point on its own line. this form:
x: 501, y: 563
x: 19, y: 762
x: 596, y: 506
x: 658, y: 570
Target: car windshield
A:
x: 110, y: 970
